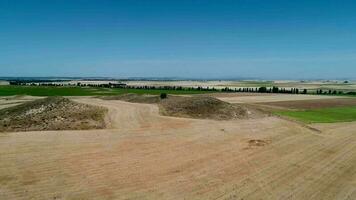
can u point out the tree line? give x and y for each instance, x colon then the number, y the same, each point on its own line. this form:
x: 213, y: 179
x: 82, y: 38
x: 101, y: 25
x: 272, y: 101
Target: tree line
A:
x: 262, y: 89
x: 273, y: 89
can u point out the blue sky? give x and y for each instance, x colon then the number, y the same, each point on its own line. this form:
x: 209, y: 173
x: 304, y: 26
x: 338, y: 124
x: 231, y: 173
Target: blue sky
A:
x: 194, y: 39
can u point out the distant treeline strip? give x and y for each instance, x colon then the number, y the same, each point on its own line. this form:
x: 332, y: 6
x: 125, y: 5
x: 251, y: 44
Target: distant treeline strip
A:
x: 263, y: 89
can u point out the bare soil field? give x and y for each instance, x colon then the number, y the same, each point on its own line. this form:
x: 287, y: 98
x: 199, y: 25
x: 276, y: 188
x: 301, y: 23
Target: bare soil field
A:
x: 261, y: 98
x: 134, y: 98
x: 314, y: 104
x: 234, y: 94
x: 143, y: 155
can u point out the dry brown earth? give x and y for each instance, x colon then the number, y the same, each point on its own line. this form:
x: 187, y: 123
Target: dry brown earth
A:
x: 147, y: 156
x: 134, y: 98
x: 271, y: 98
x: 314, y: 104
x: 193, y: 106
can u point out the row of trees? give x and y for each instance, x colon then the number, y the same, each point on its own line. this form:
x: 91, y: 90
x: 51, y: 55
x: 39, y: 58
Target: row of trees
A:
x: 267, y: 90
x: 24, y: 83
x: 329, y: 92
x: 334, y: 92
x: 273, y: 89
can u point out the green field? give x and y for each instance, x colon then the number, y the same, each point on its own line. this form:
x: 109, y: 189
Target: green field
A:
x: 325, y: 115
x: 83, y: 91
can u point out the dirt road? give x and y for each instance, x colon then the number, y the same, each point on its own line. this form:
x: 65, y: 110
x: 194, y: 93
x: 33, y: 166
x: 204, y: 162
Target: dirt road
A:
x: 147, y: 156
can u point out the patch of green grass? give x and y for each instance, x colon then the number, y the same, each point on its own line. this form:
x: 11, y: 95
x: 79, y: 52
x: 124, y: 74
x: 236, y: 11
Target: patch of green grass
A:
x: 325, y: 115
x: 83, y: 91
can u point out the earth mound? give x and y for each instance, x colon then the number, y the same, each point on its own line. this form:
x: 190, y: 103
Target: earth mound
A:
x: 201, y: 107
x: 52, y: 113
x: 135, y: 98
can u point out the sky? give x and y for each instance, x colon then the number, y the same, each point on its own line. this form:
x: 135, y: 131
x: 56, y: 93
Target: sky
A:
x: 266, y: 39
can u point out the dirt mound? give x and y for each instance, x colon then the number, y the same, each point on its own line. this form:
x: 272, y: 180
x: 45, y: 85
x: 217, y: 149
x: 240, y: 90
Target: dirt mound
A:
x: 199, y: 106
x: 52, y: 113
x: 134, y: 98
x: 202, y: 107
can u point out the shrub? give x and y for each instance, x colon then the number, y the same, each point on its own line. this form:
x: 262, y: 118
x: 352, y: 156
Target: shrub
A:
x: 163, y: 95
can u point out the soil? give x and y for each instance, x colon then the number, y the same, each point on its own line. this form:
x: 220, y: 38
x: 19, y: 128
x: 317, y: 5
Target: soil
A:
x: 262, y: 98
x: 198, y: 106
x: 134, y: 98
x: 144, y: 155
x: 314, y: 104
x: 258, y: 143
